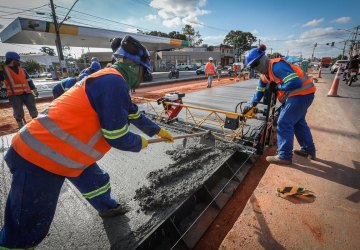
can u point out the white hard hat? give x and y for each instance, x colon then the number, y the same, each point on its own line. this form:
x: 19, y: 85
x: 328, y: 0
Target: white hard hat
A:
x: 211, y: 59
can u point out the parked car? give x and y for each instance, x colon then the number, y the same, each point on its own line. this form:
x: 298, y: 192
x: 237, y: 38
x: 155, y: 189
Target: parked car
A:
x: 3, y: 91
x: 335, y: 66
x: 34, y: 75
x: 44, y: 74
x: 184, y: 66
x: 201, y: 70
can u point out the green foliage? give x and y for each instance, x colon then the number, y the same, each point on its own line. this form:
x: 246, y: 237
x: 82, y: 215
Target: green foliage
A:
x: 31, y: 66
x: 339, y: 57
x: 48, y: 50
x: 192, y: 36
x: 177, y: 35
x: 275, y: 55
x: 157, y: 33
x: 240, y: 40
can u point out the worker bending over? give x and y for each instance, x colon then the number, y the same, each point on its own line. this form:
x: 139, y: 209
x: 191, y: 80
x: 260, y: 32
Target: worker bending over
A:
x: 295, y: 90
x: 67, y: 140
x: 66, y: 84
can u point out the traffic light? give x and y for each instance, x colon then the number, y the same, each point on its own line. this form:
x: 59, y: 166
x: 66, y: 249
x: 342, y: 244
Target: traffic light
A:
x: 332, y: 44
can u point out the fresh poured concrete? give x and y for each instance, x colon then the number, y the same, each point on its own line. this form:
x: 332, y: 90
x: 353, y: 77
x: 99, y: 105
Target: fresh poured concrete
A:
x: 76, y: 223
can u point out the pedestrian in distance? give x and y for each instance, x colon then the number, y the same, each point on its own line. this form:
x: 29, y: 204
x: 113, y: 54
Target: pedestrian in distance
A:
x: 218, y: 71
x: 295, y: 90
x: 66, y: 84
x: 65, y: 142
x: 20, y: 88
x: 210, y: 71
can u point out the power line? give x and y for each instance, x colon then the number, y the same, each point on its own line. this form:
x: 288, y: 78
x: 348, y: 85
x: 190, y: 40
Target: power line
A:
x: 26, y: 10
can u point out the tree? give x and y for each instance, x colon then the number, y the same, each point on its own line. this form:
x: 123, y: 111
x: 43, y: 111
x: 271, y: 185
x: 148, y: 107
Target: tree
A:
x: 177, y: 35
x: 192, y: 36
x: 47, y: 50
x: 240, y: 40
x: 157, y: 33
x: 31, y: 66
x: 339, y: 57
x: 276, y: 55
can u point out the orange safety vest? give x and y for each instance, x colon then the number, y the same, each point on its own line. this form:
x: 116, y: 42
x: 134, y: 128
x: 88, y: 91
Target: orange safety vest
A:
x: 306, y: 88
x: 209, y: 68
x: 18, y: 82
x: 67, y: 138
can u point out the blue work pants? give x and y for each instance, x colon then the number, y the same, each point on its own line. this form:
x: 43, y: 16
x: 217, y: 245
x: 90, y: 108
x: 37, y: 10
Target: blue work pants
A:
x: 292, y: 121
x: 33, y: 197
x: 210, y: 78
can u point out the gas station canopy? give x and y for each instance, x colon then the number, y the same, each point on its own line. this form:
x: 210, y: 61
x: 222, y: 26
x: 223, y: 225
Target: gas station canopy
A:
x: 39, y: 32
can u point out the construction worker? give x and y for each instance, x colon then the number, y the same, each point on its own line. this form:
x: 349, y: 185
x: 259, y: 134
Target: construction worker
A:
x: 94, y: 66
x: 67, y: 139
x: 20, y: 88
x: 218, y: 71
x: 94, y: 59
x: 210, y: 71
x: 296, y: 91
x: 66, y: 84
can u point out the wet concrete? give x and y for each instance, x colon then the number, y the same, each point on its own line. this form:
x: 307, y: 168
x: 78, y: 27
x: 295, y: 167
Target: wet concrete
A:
x: 151, y: 182
x: 190, y: 168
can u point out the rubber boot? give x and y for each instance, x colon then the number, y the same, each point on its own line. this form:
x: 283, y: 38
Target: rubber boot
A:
x: 119, y: 210
x: 20, y: 123
x: 305, y: 154
x: 276, y: 160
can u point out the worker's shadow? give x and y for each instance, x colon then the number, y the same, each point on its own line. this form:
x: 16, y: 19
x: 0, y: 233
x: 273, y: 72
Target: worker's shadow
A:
x: 332, y: 171
x: 119, y: 232
x: 265, y: 237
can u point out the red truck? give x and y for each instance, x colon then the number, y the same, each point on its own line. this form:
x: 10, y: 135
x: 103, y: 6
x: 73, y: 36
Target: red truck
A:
x: 326, y: 62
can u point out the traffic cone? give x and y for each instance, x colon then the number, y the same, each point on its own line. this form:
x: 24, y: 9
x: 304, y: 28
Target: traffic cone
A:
x: 319, y: 73
x: 335, y: 84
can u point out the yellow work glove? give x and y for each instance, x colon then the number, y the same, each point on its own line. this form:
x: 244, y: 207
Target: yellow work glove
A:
x: 163, y: 133
x: 144, y: 142
x: 35, y: 91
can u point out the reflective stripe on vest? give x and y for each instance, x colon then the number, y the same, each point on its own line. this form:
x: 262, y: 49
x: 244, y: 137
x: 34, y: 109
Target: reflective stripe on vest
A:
x: 58, y: 132
x: 16, y: 83
x: 282, y: 95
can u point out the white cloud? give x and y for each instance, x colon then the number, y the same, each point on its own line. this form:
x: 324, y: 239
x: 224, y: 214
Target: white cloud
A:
x: 313, y: 23
x: 151, y: 17
x: 305, y: 43
x: 290, y: 36
x: 175, y: 13
x: 344, y: 19
x: 254, y: 32
x: 213, y: 40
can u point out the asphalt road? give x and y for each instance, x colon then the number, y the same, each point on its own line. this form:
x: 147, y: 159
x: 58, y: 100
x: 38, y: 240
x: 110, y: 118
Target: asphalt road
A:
x: 346, y: 92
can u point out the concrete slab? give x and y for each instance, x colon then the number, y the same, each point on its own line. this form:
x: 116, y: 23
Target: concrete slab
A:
x: 76, y: 223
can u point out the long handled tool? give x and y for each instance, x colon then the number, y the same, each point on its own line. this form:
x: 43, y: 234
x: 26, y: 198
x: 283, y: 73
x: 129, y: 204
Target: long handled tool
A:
x: 206, y: 138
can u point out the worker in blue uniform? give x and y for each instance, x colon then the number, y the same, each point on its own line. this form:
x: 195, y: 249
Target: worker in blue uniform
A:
x: 94, y: 66
x: 296, y: 91
x: 66, y: 84
x: 66, y: 141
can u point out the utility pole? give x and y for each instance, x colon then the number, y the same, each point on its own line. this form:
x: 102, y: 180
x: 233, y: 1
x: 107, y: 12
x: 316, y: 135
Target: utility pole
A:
x: 57, y: 33
x: 270, y: 52
x: 353, y: 42
x: 342, y: 57
x: 312, y: 56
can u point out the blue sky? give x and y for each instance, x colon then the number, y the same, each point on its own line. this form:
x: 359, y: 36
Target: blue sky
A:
x: 288, y: 27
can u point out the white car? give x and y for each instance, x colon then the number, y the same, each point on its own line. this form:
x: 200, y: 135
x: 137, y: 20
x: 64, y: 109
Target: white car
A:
x: 184, y: 66
x: 34, y: 75
x: 335, y: 66
x: 44, y: 74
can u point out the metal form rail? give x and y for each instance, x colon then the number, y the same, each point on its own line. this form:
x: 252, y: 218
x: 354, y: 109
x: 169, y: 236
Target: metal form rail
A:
x: 183, y: 228
x: 186, y: 224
